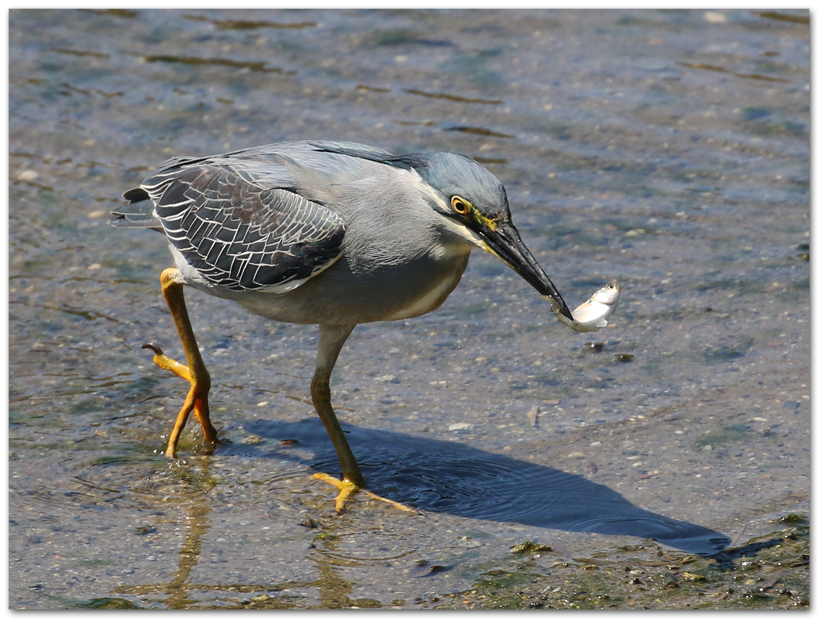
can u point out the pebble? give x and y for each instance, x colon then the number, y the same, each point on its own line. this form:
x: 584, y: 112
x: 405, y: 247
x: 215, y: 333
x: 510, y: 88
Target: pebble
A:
x: 460, y: 426
x: 714, y: 18
x: 27, y: 175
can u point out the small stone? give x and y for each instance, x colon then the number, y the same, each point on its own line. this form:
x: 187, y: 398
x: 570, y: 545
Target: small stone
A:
x: 460, y: 426
x: 714, y: 18
x: 576, y: 455
x: 27, y: 175
x: 94, y: 267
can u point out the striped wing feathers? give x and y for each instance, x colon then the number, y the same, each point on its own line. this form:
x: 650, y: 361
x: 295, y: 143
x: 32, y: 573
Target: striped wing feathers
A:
x: 241, y: 233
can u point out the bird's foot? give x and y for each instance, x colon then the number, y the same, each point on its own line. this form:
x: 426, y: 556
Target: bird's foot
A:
x: 196, y: 401
x: 347, y: 488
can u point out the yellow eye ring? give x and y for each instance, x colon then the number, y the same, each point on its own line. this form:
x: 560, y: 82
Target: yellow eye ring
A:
x: 460, y: 205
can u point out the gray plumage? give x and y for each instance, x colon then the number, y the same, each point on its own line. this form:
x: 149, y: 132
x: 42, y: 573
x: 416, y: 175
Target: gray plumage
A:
x: 262, y: 225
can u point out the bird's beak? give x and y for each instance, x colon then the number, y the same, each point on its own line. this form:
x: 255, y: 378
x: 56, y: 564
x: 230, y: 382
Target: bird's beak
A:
x: 505, y: 242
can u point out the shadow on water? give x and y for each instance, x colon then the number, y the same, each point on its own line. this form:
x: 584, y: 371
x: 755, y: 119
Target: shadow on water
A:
x: 443, y: 476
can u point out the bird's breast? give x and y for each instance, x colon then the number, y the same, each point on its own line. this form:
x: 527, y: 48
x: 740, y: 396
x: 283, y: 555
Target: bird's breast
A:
x: 432, y: 296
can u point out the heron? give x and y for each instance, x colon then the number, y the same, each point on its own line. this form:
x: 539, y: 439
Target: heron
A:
x: 321, y: 232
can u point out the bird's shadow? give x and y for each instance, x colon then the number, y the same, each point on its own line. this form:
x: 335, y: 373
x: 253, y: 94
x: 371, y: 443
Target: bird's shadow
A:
x: 450, y: 477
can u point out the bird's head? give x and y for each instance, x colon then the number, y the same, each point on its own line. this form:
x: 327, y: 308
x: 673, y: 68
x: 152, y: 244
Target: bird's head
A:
x: 473, y: 203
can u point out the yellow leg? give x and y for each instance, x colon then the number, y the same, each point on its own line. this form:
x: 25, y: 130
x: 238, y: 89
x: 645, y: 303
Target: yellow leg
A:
x: 331, y: 340
x: 195, y: 372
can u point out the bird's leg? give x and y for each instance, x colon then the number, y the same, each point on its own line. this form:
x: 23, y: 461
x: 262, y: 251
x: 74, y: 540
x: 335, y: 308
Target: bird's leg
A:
x: 195, y: 372
x: 331, y: 341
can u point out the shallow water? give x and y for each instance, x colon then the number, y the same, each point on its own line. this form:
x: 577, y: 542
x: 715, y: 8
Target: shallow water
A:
x: 666, y: 149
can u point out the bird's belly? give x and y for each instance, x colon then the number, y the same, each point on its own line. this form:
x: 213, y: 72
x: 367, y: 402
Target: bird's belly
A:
x: 342, y: 296
x: 429, y: 301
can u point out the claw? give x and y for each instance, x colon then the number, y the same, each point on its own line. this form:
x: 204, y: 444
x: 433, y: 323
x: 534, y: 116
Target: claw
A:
x: 154, y: 347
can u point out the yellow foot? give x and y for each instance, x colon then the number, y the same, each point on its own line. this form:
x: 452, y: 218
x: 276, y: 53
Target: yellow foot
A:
x: 347, y: 488
x: 196, y: 401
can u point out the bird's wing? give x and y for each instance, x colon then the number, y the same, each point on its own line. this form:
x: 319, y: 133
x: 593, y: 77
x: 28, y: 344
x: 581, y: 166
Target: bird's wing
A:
x: 239, y: 228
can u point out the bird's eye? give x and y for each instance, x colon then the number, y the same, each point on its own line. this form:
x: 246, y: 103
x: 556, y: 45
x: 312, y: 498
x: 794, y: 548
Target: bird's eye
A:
x: 460, y: 205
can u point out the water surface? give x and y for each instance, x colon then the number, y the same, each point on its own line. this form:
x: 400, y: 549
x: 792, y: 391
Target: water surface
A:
x: 666, y: 149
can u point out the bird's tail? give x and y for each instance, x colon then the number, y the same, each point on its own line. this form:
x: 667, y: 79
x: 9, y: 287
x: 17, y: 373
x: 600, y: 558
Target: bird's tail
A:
x: 138, y: 213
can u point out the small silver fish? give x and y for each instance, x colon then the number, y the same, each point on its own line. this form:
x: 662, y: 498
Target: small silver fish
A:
x: 595, y: 312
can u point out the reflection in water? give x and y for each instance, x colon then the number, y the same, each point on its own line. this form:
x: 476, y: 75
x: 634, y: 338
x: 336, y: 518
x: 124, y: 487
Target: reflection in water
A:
x: 194, y: 500
x: 444, y: 476
x: 197, y: 506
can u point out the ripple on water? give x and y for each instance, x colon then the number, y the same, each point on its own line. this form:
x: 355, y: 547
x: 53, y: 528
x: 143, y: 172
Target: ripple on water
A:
x: 364, y: 545
x: 126, y: 481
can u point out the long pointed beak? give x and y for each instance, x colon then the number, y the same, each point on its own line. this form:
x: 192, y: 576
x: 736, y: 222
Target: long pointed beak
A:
x: 506, y: 244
